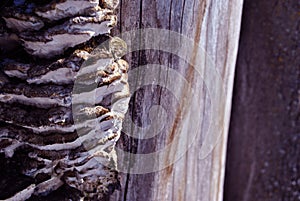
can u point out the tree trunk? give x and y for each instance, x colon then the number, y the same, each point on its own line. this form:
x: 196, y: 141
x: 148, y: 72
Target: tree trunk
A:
x: 214, y: 26
x: 190, y: 85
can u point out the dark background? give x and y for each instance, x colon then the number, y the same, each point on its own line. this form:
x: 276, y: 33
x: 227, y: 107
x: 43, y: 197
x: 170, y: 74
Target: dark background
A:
x: 263, y: 161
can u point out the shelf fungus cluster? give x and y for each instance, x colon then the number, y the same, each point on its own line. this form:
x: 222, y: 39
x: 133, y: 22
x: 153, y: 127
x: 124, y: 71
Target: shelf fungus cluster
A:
x: 63, y: 97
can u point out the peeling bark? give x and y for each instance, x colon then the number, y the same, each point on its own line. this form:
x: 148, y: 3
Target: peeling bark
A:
x: 52, y: 41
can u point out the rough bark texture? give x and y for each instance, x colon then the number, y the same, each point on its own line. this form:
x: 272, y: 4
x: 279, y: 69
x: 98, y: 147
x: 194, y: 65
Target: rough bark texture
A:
x: 212, y: 24
x: 263, y: 162
x: 62, y: 102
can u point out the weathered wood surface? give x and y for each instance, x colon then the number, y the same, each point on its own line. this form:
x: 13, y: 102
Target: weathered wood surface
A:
x: 215, y: 25
x: 264, y: 138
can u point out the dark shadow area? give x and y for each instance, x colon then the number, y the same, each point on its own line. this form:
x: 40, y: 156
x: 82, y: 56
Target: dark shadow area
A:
x: 263, y: 161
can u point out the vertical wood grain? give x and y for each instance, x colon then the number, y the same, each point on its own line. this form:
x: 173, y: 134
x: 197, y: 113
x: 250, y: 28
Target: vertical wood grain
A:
x: 215, y: 25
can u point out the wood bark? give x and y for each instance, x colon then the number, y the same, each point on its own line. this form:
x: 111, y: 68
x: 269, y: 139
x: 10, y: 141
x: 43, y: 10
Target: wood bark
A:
x: 63, y: 96
x: 213, y: 25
